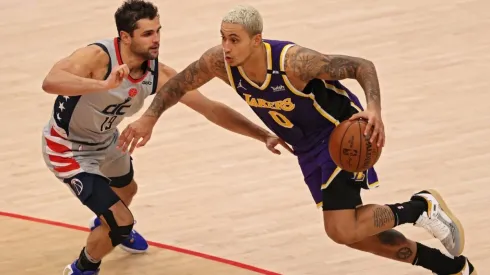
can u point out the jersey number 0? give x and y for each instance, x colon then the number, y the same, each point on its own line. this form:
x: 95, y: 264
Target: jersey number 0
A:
x: 281, y: 119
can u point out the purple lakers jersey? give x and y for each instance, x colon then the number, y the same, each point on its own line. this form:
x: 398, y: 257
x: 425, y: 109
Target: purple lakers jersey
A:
x: 304, y: 119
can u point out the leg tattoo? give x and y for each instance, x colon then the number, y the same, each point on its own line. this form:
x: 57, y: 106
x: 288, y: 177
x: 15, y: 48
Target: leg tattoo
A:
x: 389, y: 244
x: 382, y: 216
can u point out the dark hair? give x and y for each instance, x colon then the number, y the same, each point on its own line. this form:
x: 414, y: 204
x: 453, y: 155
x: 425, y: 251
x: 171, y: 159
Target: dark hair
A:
x: 131, y: 11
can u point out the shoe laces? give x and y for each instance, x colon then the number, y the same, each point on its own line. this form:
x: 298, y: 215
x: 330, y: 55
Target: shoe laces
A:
x: 436, y: 226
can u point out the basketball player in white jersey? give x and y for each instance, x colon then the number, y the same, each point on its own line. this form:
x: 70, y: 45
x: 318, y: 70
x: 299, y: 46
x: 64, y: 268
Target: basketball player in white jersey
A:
x: 97, y: 86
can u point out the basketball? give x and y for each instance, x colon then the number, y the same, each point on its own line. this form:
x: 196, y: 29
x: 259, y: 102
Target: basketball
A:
x: 350, y: 149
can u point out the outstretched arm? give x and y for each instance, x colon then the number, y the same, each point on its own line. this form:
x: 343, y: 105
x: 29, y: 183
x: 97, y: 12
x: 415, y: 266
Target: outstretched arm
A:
x: 307, y: 64
x: 183, y: 87
x: 216, y: 112
x: 170, y: 91
x: 224, y: 116
x: 194, y: 76
x: 227, y: 118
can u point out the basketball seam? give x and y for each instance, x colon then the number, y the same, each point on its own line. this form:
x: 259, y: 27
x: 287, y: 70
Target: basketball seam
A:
x: 360, y: 145
x: 342, y: 143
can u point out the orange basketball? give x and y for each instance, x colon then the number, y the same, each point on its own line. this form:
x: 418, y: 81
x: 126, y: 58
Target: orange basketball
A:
x: 350, y: 149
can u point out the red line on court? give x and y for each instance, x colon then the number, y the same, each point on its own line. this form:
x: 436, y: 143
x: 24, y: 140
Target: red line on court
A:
x: 155, y: 244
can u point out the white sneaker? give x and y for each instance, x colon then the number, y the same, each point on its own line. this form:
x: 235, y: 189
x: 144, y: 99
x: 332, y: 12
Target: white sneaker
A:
x: 441, y: 222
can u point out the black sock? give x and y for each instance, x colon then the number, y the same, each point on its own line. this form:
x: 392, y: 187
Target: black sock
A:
x: 84, y: 263
x: 432, y: 259
x: 408, y: 212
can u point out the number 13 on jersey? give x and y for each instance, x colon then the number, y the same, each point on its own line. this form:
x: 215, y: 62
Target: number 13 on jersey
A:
x: 281, y: 119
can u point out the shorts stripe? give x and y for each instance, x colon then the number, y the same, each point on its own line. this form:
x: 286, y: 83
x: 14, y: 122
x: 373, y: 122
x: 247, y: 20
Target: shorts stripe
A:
x: 330, y: 179
x: 60, y: 155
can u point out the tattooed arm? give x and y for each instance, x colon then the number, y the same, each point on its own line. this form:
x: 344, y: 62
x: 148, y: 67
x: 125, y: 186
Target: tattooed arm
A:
x: 306, y: 64
x: 182, y: 87
x: 194, y: 76
x: 170, y: 91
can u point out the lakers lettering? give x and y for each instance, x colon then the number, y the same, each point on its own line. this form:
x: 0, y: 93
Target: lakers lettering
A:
x: 284, y: 105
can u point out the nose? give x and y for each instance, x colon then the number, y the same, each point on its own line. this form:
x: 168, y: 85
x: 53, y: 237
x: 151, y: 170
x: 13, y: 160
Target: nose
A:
x: 226, y: 47
x: 156, y: 38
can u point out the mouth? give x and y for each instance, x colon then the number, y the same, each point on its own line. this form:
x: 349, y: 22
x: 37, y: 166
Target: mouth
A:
x: 228, y: 59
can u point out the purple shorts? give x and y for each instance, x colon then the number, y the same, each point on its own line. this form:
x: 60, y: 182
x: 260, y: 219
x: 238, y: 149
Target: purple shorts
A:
x: 331, y: 187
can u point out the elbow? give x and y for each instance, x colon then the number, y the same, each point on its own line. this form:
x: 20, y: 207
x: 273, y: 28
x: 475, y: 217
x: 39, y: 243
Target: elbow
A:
x: 365, y: 67
x: 368, y: 64
x: 48, y: 86
x: 52, y: 86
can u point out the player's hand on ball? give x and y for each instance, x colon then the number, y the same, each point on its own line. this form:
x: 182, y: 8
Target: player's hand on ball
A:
x: 118, y: 74
x: 272, y: 141
x: 140, y: 129
x: 375, y: 128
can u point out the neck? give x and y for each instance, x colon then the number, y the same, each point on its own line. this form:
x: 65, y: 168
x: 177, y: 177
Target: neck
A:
x: 258, y: 59
x: 127, y: 57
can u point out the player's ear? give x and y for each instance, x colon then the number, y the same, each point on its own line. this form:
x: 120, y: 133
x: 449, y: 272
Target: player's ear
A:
x: 125, y: 37
x: 257, y: 39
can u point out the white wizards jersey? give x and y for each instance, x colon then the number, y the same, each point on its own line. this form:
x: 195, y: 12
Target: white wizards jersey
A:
x: 93, y: 118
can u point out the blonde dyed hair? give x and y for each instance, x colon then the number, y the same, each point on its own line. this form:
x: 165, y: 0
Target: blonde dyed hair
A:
x: 247, y: 16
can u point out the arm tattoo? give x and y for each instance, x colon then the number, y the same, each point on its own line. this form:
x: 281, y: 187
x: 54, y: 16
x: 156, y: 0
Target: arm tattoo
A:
x: 194, y: 76
x: 382, y: 216
x: 301, y: 64
x: 306, y: 64
x: 217, y: 65
x: 175, y: 88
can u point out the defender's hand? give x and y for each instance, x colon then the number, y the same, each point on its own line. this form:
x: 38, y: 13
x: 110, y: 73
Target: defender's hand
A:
x: 272, y: 141
x: 374, y: 128
x: 139, y: 129
x: 118, y: 74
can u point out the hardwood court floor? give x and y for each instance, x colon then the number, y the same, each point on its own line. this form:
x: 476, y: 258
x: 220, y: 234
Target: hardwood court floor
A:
x: 205, y: 189
x: 119, y: 262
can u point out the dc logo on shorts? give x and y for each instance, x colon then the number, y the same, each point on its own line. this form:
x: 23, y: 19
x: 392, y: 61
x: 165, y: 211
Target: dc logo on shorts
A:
x: 77, y: 186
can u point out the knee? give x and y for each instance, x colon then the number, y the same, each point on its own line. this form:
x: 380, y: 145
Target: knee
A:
x: 341, y: 233
x: 132, y: 189
x: 127, y: 192
x: 120, y: 214
x: 120, y: 222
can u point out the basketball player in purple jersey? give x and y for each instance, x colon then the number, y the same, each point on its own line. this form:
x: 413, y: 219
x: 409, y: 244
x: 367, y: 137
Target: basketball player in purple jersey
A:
x: 296, y: 92
x: 97, y: 86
